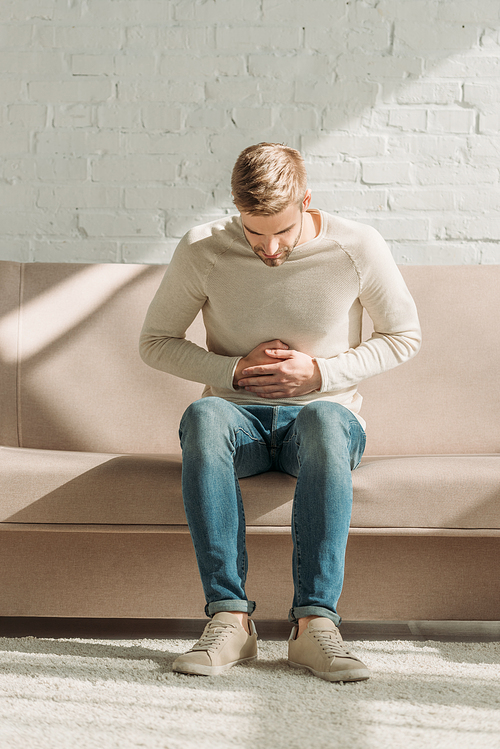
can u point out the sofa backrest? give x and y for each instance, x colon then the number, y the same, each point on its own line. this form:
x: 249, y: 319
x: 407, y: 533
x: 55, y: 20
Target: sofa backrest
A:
x: 71, y: 377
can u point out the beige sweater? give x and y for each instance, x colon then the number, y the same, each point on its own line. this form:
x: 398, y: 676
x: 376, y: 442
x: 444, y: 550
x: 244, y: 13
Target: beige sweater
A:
x: 313, y: 302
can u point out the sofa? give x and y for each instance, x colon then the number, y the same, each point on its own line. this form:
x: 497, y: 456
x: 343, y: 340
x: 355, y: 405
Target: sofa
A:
x: 92, y: 523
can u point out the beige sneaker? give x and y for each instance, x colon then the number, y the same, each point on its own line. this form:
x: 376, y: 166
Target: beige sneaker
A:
x: 223, y: 644
x: 320, y: 648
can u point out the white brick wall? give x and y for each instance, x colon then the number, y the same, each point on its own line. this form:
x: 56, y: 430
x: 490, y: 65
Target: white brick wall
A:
x: 120, y: 119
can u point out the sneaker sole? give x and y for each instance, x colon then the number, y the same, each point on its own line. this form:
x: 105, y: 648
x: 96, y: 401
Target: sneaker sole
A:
x: 196, y: 669
x: 357, y: 674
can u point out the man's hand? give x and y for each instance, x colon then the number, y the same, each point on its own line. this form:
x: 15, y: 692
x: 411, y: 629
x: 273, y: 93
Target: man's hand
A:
x: 256, y: 357
x: 291, y: 373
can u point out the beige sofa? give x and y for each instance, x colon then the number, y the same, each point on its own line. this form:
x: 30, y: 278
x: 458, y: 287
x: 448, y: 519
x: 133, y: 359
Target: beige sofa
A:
x: 92, y: 523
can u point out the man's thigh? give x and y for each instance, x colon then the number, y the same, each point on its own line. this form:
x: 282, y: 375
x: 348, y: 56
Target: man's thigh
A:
x: 322, y: 429
x: 222, y: 430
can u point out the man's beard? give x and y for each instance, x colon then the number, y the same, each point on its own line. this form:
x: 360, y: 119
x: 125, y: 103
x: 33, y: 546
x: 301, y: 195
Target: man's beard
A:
x: 284, y: 253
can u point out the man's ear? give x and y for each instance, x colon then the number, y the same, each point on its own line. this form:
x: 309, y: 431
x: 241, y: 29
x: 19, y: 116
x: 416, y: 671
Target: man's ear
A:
x: 307, y: 200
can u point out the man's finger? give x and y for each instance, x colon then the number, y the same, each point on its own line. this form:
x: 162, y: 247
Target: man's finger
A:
x: 280, y: 353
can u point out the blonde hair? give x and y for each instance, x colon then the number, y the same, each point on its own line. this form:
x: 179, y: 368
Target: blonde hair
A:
x: 267, y: 178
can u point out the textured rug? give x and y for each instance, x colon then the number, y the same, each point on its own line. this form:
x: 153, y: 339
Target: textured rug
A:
x: 61, y: 693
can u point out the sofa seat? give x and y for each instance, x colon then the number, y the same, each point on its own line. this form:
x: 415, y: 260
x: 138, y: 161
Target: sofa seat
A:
x: 447, y: 492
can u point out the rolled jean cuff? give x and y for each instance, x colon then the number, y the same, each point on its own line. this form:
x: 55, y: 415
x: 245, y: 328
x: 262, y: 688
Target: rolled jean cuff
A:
x: 300, y: 611
x: 232, y: 604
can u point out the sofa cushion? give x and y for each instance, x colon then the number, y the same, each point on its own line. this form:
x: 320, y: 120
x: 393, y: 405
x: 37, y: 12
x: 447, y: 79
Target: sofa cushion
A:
x: 44, y: 486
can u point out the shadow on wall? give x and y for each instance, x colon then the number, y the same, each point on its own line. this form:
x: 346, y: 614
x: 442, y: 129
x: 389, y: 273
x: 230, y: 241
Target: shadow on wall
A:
x: 81, y: 384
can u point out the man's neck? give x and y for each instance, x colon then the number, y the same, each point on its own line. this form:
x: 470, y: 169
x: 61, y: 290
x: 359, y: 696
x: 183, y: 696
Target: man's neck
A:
x: 311, y: 227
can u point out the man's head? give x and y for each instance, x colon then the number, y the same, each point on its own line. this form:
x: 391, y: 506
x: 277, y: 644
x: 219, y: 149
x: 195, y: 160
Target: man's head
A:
x: 267, y: 178
x: 269, y: 184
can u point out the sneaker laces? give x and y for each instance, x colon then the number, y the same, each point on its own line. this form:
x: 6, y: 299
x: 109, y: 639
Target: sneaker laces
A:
x: 215, y: 634
x: 332, y: 643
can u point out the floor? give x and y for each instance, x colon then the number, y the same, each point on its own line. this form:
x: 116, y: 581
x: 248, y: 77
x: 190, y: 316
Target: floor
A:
x: 474, y: 631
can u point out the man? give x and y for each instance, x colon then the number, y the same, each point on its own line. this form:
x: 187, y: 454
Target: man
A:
x: 282, y: 289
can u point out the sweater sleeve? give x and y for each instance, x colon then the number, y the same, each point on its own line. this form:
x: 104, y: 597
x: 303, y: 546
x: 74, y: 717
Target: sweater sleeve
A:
x: 396, y: 337
x: 180, y: 296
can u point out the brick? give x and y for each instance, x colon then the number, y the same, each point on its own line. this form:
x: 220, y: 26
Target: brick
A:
x: 178, y: 224
x: 434, y: 252
x: 120, y: 224
x: 165, y: 198
x: 77, y: 142
x: 347, y: 95
x: 376, y: 67
x: 323, y: 12
x: 414, y: 199
x: 454, y: 174
x: 490, y: 253
x: 299, y: 120
x: 217, y: 11
x: 82, y: 195
x: 452, y: 120
x: 133, y: 12
x: 489, y: 122
x: 233, y: 89
x: 168, y: 143
x: 438, y: 36
x: 470, y: 66
x: 13, y: 141
x: 484, y: 228
x: 484, y: 12
x: 135, y: 65
x: 349, y: 145
x: 182, y: 37
x: 133, y: 168
x: 302, y: 64
x: 92, y: 64
x: 41, y: 63
x: 403, y: 227
x: 38, y: 223
x: 73, y: 115
x: 82, y: 38
x: 251, y: 118
x: 119, y: 116
x: 350, y: 201
x: 208, y: 170
x: 424, y: 92
x: 481, y: 94
x: 408, y: 119
x: 409, y: 10
x: 77, y: 90
x: 212, y: 118
x: 19, y: 196
x: 13, y: 36
x: 328, y: 172
x: 478, y: 200
x: 179, y: 65
x: 141, y: 38
x: 22, y: 168
x: 15, y: 250
x: 61, y: 169
x: 385, y: 172
x: 253, y: 38
x: 32, y: 116
x: 28, y: 10
x: 76, y: 251
x: 158, y: 252
x: 160, y: 91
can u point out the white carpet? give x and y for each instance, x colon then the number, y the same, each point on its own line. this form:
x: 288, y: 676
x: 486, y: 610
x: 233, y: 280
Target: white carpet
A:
x: 59, y: 694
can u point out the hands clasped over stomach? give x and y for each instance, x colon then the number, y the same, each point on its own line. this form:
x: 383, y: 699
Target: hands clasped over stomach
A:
x: 273, y: 370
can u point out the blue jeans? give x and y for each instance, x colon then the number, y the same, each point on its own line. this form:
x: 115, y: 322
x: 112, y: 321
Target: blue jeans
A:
x: 319, y: 443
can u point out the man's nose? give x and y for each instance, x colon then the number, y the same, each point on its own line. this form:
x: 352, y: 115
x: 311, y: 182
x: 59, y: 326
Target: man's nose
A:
x: 271, y: 245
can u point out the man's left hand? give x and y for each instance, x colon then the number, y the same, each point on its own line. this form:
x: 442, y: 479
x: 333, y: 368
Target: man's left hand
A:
x: 295, y: 374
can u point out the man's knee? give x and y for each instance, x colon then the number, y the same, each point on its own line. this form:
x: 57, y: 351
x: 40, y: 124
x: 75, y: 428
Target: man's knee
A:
x: 206, y: 419
x: 323, y: 418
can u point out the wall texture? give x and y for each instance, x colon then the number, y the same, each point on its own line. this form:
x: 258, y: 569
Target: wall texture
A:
x: 120, y: 119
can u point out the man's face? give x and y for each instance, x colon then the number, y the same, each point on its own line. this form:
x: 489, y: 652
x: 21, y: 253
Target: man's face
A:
x: 273, y: 238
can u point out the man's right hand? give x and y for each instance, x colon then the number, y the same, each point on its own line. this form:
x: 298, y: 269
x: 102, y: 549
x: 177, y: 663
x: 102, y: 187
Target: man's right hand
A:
x: 257, y: 357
